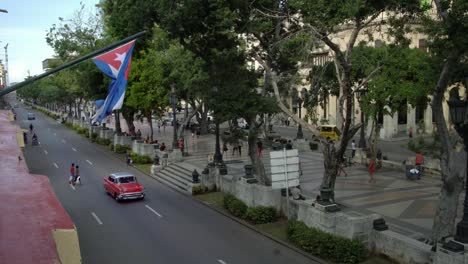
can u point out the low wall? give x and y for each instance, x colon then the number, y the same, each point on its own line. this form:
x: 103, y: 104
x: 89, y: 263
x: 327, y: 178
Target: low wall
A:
x: 122, y: 140
x: 106, y: 134
x: 400, y: 248
x: 251, y: 194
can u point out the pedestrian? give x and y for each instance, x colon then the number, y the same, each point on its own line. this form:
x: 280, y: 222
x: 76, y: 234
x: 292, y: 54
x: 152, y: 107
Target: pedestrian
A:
x: 353, y: 149
x: 128, y: 159
x: 239, y: 148
x: 419, y: 161
x: 31, y: 127
x: 72, y: 173
x: 289, y: 145
x: 159, y: 126
x: 259, y: 148
x: 19, y: 159
x: 410, y: 132
x: 234, y: 148
x: 77, y: 175
x: 225, y: 149
x: 371, y: 170
x: 164, y: 127
x: 162, y: 147
x: 341, y: 168
x: 138, y: 134
x: 181, y: 144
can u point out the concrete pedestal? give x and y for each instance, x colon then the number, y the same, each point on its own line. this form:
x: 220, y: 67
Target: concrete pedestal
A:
x: 175, y: 156
x: 301, y: 144
x: 155, y: 169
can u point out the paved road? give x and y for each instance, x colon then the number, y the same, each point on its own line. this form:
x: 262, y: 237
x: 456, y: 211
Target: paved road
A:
x: 166, y: 227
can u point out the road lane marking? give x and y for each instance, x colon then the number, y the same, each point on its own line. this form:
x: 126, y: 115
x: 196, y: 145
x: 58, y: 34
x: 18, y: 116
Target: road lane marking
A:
x: 74, y: 149
x: 45, y: 151
x: 221, y: 261
x: 97, y: 218
x: 90, y: 163
x: 63, y: 140
x: 152, y: 210
x: 73, y: 187
x: 55, y: 164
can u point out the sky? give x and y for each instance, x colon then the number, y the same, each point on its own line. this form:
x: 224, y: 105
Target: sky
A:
x: 24, y: 29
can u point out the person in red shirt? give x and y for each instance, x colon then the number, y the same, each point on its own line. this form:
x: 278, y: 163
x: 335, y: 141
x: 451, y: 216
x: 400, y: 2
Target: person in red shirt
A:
x: 72, y: 173
x: 419, y: 159
x: 371, y: 170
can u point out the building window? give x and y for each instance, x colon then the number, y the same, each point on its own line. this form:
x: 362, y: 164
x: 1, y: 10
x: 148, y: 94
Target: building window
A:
x: 423, y: 45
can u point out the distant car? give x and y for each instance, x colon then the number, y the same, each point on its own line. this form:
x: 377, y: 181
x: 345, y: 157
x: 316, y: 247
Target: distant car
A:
x: 123, y: 186
x: 31, y: 116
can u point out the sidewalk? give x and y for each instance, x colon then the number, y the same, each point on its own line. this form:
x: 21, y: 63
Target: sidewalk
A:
x: 408, y: 206
x: 34, y: 226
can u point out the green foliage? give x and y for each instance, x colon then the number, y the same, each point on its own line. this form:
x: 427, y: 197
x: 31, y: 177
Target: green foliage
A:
x: 256, y: 215
x: 103, y: 141
x: 327, y: 246
x: 94, y: 137
x: 140, y: 159
x: 261, y: 215
x: 199, y: 189
x: 121, y: 149
x: 111, y: 146
x: 235, y: 206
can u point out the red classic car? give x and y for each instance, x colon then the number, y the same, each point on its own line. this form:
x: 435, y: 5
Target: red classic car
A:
x: 123, y: 186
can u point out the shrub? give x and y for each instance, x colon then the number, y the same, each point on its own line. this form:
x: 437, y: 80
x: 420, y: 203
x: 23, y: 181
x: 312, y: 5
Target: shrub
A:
x: 93, y: 137
x: 198, y: 189
x: 421, y: 142
x: 261, y: 215
x: 328, y: 246
x: 235, y: 206
x: 103, y: 141
x: 111, y: 146
x: 140, y: 159
x: 121, y: 149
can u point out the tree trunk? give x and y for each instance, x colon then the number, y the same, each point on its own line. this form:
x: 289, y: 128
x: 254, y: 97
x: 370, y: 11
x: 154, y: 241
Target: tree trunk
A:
x: 257, y: 162
x: 331, y: 165
x: 188, y: 117
x: 202, y: 117
x: 118, y: 128
x: 150, y: 121
x: 129, y: 117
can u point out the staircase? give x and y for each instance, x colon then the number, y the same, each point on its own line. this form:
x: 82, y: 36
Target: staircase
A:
x: 177, y: 176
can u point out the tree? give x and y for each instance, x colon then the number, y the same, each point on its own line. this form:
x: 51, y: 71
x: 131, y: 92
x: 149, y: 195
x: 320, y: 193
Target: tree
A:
x: 446, y: 31
x: 319, y: 20
x: 404, y: 77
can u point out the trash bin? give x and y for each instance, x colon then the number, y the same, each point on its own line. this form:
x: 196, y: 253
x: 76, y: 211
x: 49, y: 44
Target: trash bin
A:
x: 412, y: 175
x: 248, y: 170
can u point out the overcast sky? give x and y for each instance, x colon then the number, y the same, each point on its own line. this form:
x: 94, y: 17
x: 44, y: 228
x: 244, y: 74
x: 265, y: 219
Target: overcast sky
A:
x: 24, y: 29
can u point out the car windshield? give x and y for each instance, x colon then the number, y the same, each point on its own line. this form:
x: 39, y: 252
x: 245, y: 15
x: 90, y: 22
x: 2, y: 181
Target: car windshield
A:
x: 128, y: 179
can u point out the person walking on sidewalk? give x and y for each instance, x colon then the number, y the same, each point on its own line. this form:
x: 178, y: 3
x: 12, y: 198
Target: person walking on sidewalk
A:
x: 353, y: 149
x: 371, y: 171
x: 128, y: 160
x: 72, y: 173
x: 225, y: 150
x: 259, y: 148
x: 239, y: 147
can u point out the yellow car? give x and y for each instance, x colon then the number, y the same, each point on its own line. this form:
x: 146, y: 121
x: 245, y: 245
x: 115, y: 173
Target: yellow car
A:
x: 330, y: 132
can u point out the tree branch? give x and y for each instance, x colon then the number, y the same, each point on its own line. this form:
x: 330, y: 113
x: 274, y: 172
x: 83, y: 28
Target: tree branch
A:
x: 441, y: 13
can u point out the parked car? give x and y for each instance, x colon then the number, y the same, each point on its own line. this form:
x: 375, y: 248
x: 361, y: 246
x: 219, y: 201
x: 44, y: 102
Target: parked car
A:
x: 31, y: 116
x: 123, y: 186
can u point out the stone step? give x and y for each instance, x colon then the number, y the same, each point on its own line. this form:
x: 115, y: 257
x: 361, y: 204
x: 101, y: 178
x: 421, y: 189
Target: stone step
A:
x: 181, y: 174
x: 170, y: 182
x: 172, y: 176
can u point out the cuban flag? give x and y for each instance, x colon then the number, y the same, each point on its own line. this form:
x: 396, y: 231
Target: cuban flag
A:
x: 115, y: 64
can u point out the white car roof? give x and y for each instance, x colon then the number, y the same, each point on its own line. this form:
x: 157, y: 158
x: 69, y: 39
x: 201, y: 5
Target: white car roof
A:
x: 121, y: 174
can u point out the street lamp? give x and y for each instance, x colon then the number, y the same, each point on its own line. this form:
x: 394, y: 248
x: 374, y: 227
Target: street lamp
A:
x: 360, y: 93
x: 299, y: 103
x: 457, y: 109
x: 174, y: 116
x: 218, y: 157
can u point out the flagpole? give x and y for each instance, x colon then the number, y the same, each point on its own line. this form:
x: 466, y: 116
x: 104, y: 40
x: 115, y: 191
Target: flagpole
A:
x: 70, y: 64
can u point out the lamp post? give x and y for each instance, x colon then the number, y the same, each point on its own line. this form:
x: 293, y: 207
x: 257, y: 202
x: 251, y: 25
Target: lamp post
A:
x: 174, y: 116
x: 360, y: 93
x: 300, y: 100
x: 457, y: 109
x: 218, y: 157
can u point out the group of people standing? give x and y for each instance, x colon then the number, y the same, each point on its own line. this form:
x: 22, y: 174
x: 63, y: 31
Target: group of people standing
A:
x: 74, y: 174
x: 236, y: 148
